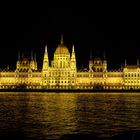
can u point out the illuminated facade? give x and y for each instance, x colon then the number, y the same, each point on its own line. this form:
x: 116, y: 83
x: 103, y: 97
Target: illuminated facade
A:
x: 62, y: 73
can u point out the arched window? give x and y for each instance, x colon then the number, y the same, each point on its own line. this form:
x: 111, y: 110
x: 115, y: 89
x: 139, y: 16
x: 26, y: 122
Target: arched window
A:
x: 60, y: 64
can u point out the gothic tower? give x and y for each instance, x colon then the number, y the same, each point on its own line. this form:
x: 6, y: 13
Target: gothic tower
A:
x: 45, y: 68
x: 73, y: 67
x: 73, y: 59
x: 45, y: 60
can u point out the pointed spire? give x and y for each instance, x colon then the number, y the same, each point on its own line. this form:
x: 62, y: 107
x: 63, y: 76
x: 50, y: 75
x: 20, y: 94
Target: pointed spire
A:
x: 73, y: 49
x: 46, y: 49
x: 61, y: 41
x: 73, y: 54
x: 73, y: 59
x: 46, y: 53
x: 45, y: 60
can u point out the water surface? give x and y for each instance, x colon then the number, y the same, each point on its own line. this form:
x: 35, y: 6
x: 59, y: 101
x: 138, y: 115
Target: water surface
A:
x: 51, y: 115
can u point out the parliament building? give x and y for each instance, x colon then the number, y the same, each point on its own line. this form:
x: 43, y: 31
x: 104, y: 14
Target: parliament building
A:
x: 62, y: 73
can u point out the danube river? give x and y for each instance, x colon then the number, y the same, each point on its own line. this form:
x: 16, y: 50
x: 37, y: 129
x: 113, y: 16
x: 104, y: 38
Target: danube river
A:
x: 51, y: 115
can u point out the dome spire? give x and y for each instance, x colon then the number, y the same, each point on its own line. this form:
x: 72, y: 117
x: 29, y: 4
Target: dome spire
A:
x: 61, y: 41
x: 46, y: 49
x: 73, y: 54
x: 73, y: 59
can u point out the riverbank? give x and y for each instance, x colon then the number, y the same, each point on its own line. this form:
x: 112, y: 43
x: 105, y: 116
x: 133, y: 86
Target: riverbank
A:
x: 69, y: 90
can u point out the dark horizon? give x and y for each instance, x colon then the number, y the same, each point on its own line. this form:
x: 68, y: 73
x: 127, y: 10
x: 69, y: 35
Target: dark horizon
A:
x: 110, y: 33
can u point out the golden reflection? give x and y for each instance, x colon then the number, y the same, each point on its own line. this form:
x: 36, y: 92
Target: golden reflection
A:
x: 50, y: 115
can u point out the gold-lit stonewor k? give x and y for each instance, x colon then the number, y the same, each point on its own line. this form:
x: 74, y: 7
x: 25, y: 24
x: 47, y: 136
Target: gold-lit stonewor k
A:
x: 62, y: 73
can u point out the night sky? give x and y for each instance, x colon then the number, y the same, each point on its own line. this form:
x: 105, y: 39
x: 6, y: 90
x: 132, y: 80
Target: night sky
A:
x: 113, y: 31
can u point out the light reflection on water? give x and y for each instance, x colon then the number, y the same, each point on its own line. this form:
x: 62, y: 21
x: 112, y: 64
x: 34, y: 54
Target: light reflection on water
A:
x: 50, y: 115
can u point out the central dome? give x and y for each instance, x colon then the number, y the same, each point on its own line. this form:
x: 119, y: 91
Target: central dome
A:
x: 61, y: 49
